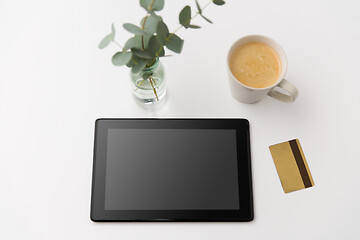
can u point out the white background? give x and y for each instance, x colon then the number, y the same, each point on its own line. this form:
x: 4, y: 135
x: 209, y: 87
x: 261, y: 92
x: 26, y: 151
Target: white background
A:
x: 54, y: 83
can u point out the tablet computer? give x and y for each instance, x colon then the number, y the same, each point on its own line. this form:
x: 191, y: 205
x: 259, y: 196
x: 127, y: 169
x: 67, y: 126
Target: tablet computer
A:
x: 171, y: 170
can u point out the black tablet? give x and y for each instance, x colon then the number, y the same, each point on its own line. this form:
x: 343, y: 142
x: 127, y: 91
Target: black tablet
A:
x: 171, y: 170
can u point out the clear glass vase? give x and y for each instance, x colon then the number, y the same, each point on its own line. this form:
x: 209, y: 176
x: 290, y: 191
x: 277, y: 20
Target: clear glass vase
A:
x: 148, y: 86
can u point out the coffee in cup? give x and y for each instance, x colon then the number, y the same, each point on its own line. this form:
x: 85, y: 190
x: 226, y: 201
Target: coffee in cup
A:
x: 256, y: 65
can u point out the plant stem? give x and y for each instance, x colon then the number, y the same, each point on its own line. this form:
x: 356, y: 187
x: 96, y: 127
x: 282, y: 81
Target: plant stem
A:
x: 143, y: 25
x: 152, y: 85
x: 137, y: 86
x: 134, y: 61
x: 151, y: 5
x: 172, y: 34
x: 118, y: 44
x: 151, y: 63
x: 206, y: 5
x: 158, y: 52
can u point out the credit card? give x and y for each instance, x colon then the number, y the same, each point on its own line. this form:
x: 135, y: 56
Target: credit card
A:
x: 291, y: 166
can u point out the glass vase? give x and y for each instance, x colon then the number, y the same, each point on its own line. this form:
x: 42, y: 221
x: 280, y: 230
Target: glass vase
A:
x: 148, y: 86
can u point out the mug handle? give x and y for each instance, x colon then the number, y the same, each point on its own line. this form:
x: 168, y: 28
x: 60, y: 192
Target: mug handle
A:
x: 288, y: 87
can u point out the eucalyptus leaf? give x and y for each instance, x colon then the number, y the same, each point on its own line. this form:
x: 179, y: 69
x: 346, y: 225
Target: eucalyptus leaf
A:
x: 138, y: 64
x: 219, y: 2
x: 156, y: 6
x: 185, y: 16
x: 193, y: 26
x: 130, y: 43
x: 162, y: 32
x: 206, y: 18
x: 138, y: 67
x: 106, y: 41
x: 174, y: 43
x: 150, y: 23
x: 138, y: 41
x: 155, y: 48
x: 134, y: 29
x: 121, y: 58
x: 146, y: 40
x: 113, y: 30
x: 108, y: 38
x: 130, y: 63
x: 141, y: 53
x: 145, y: 4
x: 198, y: 7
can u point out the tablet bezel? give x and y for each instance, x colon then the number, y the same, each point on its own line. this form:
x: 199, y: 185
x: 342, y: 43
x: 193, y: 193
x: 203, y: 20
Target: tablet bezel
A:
x: 245, y: 213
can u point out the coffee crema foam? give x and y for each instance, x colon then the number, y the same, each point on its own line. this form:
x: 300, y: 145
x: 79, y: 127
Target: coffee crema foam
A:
x: 255, y: 64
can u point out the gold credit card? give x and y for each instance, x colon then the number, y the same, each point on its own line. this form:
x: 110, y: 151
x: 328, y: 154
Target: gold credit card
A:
x: 291, y: 165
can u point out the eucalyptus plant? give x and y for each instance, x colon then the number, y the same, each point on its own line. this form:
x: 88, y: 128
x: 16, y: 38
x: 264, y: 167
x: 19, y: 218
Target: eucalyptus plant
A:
x: 151, y: 37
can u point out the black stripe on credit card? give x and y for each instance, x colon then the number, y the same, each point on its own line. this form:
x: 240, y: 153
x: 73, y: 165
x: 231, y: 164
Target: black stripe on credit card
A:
x: 300, y: 163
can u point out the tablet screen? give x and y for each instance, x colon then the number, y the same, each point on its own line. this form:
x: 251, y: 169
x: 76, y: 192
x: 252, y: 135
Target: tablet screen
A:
x: 171, y: 169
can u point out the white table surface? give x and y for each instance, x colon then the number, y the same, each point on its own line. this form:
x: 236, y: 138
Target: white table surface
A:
x: 54, y: 83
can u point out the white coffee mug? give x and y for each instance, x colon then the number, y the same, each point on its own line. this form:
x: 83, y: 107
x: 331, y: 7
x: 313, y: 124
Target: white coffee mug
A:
x: 248, y: 94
